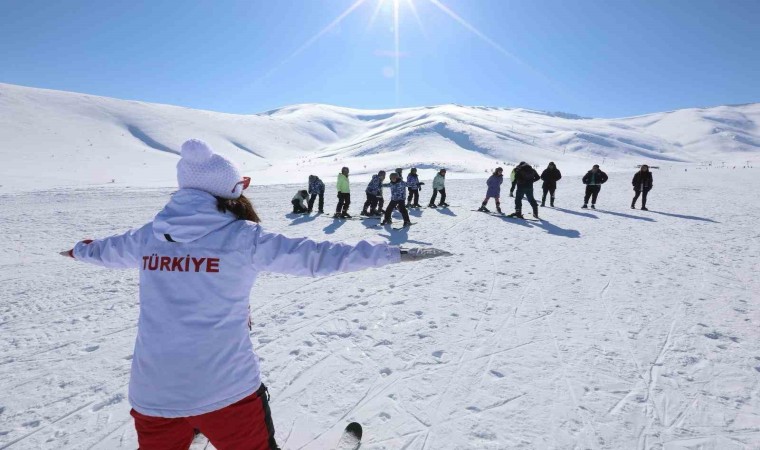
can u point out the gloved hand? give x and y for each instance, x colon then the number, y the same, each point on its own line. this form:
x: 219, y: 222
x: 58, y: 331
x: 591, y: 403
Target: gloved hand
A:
x: 418, y: 254
x: 70, y: 253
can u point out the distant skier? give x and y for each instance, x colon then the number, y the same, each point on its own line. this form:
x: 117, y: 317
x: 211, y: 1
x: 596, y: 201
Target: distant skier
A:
x: 400, y: 172
x: 525, y: 176
x: 344, y: 195
x: 374, y: 191
x: 494, y: 190
x: 398, y: 193
x: 642, y: 184
x: 550, y: 175
x: 194, y: 366
x: 594, y: 179
x: 439, y: 185
x: 298, y: 202
x: 316, y: 189
x: 413, y: 185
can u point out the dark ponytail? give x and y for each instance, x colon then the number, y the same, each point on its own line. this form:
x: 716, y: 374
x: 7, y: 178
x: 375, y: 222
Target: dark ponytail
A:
x: 241, y: 207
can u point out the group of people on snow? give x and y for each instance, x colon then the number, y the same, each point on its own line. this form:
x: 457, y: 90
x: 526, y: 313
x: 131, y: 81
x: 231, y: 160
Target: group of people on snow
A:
x: 524, y: 175
x: 406, y: 194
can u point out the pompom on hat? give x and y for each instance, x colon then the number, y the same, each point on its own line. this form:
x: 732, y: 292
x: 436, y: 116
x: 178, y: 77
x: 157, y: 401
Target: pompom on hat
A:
x: 200, y: 168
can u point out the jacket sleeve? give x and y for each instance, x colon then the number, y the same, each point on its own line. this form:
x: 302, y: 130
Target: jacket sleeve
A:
x: 604, y: 178
x: 304, y: 257
x: 117, y: 252
x: 586, y: 178
x: 635, y: 175
x: 543, y: 174
x: 559, y: 175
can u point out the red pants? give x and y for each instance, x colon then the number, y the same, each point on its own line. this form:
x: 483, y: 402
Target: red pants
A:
x: 245, y: 425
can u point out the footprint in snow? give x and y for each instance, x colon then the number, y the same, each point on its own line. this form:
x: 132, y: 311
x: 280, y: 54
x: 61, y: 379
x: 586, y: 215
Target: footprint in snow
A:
x: 438, y: 353
x: 91, y: 348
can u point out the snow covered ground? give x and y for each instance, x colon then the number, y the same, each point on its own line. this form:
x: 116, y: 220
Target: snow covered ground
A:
x: 600, y: 329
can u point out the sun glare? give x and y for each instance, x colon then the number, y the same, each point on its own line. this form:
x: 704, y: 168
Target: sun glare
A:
x: 394, y: 7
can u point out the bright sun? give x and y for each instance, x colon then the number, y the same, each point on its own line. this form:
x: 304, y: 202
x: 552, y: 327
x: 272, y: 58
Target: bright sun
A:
x: 396, y: 7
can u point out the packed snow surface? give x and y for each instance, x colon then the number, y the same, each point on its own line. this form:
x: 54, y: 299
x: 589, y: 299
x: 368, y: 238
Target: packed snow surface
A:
x: 601, y: 329
x: 51, y: 139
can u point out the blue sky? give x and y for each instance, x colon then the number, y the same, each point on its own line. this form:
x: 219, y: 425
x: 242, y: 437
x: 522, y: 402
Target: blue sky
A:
x: 602, y: 58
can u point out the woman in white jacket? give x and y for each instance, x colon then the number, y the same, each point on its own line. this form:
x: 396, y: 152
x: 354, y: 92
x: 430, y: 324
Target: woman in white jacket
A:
x: 194, y: 366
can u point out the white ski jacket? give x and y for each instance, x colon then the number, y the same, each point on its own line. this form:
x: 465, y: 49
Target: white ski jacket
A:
x: 193, y: 352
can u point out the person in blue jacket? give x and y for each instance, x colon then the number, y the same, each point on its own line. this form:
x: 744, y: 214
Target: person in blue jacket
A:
x: 413, y: 184
x: 374, y: 192
x: 316, y: 189
x: 494, y: 190
x: 194, y: 366
x: 398, y: 192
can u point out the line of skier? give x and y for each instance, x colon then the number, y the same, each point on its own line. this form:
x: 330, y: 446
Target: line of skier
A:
x: 406, y: 194
x: 524, y: 175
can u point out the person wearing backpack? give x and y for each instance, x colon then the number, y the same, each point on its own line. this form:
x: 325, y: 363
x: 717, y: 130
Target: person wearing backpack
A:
x: 550, y: 175
x: 642, y: 184
x: 594, y: 179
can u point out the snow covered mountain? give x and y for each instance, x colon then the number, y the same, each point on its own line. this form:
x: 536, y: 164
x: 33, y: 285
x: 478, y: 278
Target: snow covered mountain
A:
x: 52, y: 138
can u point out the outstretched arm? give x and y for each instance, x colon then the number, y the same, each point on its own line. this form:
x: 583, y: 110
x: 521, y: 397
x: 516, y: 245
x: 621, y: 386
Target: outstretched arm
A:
x: 118, y: 252
x: 301, y: 256
x: 305, y: 257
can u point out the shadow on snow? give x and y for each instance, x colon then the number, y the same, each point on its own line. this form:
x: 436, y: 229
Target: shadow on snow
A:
x: 680, y: 216
x: 627, y: 216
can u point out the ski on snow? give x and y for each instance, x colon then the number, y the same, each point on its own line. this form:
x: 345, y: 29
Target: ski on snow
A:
x: 351, y: 438
x: 380, y: 225
x: 532, y: 219
x: 498, y: 214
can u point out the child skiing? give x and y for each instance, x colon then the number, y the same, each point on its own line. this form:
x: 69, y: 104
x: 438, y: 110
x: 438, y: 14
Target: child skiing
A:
x: 525, y: 176
x: 316, y: 189
x: 374, y: 192
x: 193, y: 365
x: 642, y: 184
x: 398, y: 192
x: 439, y: 185
x: 344, y: 195
x: 413, y: 184
x: 299, y: 207
x: 494, y: 189
x: 550, y: 175
x: 594, y: 179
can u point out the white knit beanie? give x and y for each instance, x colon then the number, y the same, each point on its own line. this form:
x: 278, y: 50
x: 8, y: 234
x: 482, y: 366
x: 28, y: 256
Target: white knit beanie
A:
x: 200, y: 168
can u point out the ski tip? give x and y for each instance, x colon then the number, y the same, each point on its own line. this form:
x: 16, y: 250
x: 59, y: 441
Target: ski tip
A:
x: 354, y: 428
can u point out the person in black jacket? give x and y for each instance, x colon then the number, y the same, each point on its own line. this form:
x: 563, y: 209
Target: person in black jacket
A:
x: 642, y: 184
x: 550, y: 175
x: 594, y: 179
x: 525, y: 176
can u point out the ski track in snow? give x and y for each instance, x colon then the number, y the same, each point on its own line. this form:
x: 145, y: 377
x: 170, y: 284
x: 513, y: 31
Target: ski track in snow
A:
x: 599, y: 329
